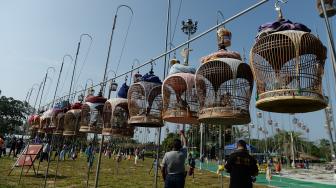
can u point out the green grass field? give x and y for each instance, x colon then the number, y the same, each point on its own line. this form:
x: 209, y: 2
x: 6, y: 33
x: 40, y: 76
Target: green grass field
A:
x: 74, y: 173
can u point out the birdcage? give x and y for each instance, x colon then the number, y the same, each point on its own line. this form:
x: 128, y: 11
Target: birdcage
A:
x: 45, y: 121
x: 115, y: 116
x: 91, y: 117
x: 224, y: 89
x: 128, y: 132
x: 59, y: 124
x: 330, y: 6
x: 145, y: 104
x: 71, y: 122
x: 34, y: 122
x: 180, y: 104
x: 288, y: 68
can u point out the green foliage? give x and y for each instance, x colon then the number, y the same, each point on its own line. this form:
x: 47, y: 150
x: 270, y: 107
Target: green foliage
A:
x: 12, y: 114
x: 168, y: 141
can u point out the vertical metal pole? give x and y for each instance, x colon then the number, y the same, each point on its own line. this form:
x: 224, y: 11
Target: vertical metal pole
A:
x: 44, y: 81
x: 220, y: 157
x: 164, y: 75
x: 201, y: 145
x: 329, y: 32
x: 52, y: 105
x: 99, y: 161
x: 73, y: 70
x: 332, y: 146
x: 292, y: 149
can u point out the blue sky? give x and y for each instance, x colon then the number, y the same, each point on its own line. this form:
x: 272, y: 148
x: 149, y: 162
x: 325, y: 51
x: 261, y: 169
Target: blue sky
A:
x: 35, y: 34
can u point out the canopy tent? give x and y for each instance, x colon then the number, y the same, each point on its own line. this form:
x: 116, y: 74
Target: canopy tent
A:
x: 231, y: 147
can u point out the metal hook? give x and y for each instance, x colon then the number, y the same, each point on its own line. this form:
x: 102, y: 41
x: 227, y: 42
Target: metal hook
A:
x: 219, y: 13
x: 126, y: 77
x: 151, y: 70
x: 278, y: 8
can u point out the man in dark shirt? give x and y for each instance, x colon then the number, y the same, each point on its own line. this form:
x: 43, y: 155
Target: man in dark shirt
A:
x: 242, y: 167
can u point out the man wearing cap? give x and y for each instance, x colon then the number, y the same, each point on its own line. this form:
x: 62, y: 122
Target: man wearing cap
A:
x: 173, y: 170
x: 242, y: 167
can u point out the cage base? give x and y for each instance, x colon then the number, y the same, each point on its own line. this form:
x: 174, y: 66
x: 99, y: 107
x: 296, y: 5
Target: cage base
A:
x: 223, y: 116
x: 180, y: 116
x: 145, y: 121
x: 291, y: 104
x: 69, y: 133
x: 88, y: 129
x: 111, y: 132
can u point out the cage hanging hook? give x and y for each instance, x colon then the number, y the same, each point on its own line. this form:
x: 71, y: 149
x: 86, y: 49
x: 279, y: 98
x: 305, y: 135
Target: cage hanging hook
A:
x: 126, y: 77
x: 151, y: 70
x: 278, y: 8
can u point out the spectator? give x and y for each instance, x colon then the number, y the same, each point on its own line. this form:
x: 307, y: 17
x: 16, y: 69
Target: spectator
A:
x: 45, y: 152
x: 12, y: 147
x: 19, y: 146
x: 173, y: 170
x: 89, y: 152
x: 242, y: 167
x: 2, y: 145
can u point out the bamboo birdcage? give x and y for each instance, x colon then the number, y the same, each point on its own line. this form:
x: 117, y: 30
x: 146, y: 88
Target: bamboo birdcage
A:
x: 91, y: 117
x: 59, y: 124
x: 330, y: 6
x: 72, y: 122
x: 115, y: 117
x: 180, y: 104
x: 128, y: 132
x: 224, y: 89
x: 45, y: 121
x: 224, y: 84
x: 288, y: 68
x: 145, y: 104
x: 34, y: 121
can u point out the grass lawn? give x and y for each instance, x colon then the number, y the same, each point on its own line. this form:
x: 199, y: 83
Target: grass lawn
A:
x: 73, y: 174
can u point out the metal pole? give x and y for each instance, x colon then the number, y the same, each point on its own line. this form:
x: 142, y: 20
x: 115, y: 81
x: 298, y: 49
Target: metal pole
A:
x: 220, y: 154
x: 201, y: 145
x: 73, y: 70
x: 103, y: 86
x: 329, y: 32
x: 164, y: 76
x: 110, y: 44
x: 53, y: 102
x: 99, y: 161
x: 332, y: 146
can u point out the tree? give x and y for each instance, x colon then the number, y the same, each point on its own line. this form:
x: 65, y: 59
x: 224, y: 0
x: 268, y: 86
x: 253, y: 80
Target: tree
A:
x: 12, y: 114
x: 168, y: 141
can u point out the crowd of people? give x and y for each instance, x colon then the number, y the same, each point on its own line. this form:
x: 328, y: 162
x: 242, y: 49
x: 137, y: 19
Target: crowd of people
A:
x: 241, y: 166
x: 13, y: 144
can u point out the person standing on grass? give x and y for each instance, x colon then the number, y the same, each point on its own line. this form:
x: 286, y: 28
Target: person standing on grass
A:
x: 242, y: 167
x: 2, y: 145
x: 45, y: 152
x: 173, y: 170
x: 12, y: 147
x: 89, y: 152
x: 136, y: 157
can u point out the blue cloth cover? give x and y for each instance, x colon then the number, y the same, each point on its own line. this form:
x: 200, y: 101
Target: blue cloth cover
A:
x: 122, y: 93
x: 178, y: 68
x: 148, y: 77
